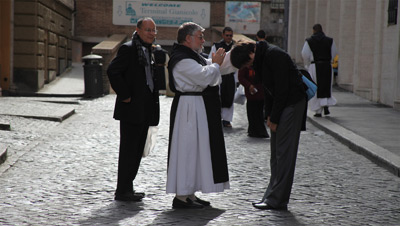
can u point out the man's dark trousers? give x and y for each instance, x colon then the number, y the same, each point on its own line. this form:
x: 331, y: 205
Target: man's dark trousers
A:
x: 133, y: 139
x: 284, y: 146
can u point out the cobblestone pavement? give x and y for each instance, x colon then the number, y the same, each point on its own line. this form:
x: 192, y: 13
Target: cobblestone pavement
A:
x: 65, y: 174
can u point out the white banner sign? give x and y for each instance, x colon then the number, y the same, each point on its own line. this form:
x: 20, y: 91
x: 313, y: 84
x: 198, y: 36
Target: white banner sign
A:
x: 165, y: 14
x: 243, y: 17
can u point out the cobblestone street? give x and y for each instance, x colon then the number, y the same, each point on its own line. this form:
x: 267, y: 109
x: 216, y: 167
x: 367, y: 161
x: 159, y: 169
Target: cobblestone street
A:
x: 64, y: 173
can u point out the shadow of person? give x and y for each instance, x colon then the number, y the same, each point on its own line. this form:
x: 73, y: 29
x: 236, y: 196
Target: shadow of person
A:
x: 113, y: 213
x: 282, y: 218
x: 188, y: 217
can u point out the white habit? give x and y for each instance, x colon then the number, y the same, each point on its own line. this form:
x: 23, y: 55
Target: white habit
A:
x: 316, y: 104
x: 226, y: 113
x: 190, y: 167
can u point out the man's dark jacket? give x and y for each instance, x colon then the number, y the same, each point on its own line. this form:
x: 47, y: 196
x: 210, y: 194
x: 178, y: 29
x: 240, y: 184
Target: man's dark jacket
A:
x: 128, y: 79
x: 282, y: 83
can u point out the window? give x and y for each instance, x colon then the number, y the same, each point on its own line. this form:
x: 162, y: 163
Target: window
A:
x: 277, y: 4
x: 392, y: 12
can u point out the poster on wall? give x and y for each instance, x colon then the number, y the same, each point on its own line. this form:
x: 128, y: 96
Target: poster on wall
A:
x: 164, y: 13
x: 243, y: 17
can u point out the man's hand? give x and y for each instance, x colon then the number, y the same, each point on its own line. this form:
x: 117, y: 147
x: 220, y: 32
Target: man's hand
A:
x: 272, y: 126
x: 252, y: 90
x: 127, y: 100
x: 218, y: 57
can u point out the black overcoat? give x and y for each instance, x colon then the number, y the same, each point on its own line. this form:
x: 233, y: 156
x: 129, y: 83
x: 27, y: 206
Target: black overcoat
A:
x: 128, y: 79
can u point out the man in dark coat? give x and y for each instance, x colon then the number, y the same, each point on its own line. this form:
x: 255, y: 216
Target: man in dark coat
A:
x: 137, y: 104
x: 286, y: 103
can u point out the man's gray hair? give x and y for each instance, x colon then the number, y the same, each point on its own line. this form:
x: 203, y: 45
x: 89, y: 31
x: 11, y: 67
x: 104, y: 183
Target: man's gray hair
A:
x: 188, y: 28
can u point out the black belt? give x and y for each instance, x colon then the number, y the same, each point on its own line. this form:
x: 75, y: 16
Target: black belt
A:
x: 209, y: 91
x: 189, y: 93
x: 321, y: 61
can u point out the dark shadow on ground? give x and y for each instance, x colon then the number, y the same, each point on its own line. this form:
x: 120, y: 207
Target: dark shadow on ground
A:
x: 279, y: 218
x: 188, y: 217
x: 113, y: 213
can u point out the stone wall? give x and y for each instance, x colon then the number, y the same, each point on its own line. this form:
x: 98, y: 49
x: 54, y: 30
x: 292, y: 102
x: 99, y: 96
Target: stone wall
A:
x: 42, y: 42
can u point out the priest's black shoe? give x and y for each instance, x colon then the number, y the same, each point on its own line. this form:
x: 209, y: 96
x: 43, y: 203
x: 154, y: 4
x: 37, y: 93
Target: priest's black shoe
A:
x: 189, y: 204
x: 129, y: 196
x: 265, y: 206
x: 202, y: 202
x: 326, y: 111
x: 258, y: 135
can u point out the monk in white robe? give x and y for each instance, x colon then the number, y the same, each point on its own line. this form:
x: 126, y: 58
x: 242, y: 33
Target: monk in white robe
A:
x: 197, y: 157
x: 318, y: 53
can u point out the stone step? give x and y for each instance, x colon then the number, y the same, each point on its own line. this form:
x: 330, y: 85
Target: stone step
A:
x: 5, y: 126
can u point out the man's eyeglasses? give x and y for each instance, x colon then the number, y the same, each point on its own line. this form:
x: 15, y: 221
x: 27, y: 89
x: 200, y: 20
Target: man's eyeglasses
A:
x: 229, y: 35
x: 201, y: 37
x: 148, y: 30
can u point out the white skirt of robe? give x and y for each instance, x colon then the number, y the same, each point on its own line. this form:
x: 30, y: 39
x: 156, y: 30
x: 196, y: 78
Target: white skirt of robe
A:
x: 315, y: 103
x: 190, y: 168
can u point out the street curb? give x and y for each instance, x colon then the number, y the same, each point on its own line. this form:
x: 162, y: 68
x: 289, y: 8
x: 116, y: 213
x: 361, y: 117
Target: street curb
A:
x: 58, y: 117
x: 375, y: 153
x: 3, y: 153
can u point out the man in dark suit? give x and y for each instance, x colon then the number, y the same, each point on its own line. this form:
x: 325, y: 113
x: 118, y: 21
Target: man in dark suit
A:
x: 285, y: 110
x: 137, y: 104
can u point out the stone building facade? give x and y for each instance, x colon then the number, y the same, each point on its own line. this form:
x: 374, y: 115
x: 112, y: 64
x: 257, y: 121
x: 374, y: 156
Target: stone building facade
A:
x: 368, y: 40
x: 90, y: 30
x: 40, y: 38
x: 40, y: 34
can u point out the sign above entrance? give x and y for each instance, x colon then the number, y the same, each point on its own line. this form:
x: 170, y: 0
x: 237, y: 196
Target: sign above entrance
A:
x: 165, y: 14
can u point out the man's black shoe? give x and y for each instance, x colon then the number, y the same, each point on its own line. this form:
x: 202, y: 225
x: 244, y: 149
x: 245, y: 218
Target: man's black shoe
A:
x: 139, y: 194
x: 265, y: 206
x: 189, y: 204
x: 226, y: 124
x: 130, y: 197
x: 318, y: 115
x: 202, y: 202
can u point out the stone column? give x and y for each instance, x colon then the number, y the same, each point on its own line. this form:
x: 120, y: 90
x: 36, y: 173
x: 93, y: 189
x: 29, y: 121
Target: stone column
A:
x: 292, y: 28
x: 301, y: 35
x: 347, y: 32
x: 321, y: 13
x: 396, y: 103
x: 333, y: 20
x: 365, y: 48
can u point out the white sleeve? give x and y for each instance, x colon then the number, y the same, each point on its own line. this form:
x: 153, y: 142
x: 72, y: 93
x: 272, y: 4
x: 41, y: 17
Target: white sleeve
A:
x: 226, y: 66
x: 213, y: 50
x: 306, y: 53
x: 191, y: 76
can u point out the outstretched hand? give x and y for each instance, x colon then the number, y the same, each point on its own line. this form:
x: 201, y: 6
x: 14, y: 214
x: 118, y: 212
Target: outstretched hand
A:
x: 218, y: 57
